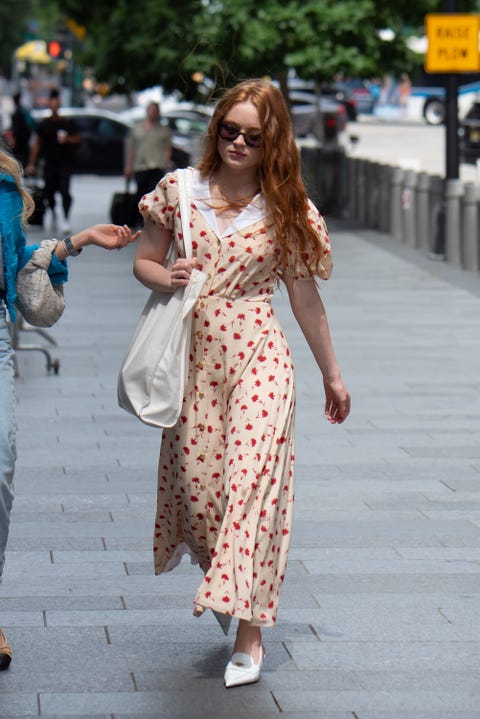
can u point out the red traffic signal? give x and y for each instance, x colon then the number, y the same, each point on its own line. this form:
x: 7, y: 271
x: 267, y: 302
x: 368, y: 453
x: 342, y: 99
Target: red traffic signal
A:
x: 54, y: 49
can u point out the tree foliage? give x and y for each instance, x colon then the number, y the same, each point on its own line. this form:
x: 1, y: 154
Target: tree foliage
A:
x: 12, y: 28
x: 136, y: 43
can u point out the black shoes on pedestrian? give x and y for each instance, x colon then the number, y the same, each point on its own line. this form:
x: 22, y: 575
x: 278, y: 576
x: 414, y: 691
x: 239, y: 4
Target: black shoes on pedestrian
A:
x: 5, y: 652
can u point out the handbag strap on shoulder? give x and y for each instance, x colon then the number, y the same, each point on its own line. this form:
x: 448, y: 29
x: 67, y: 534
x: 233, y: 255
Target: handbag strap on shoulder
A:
x: 184, y: 180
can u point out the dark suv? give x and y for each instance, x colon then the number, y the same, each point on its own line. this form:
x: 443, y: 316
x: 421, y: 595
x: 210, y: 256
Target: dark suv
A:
x: 469, y: 134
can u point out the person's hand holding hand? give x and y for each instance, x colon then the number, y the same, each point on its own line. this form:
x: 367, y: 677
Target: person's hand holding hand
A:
x: 337, y: 401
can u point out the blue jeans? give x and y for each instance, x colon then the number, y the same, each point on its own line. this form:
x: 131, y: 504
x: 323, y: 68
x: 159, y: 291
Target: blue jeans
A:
x: 7, y: 431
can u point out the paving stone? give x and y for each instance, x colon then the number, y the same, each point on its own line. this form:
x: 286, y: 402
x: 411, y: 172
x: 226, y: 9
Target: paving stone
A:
x: 398, y: 656
x: 60, y: 603
x: 394, y: 583
x: 355, y: 554
x: 18, y: 704
x: 396, y: 631
x: 26, y: 544
x: 392, y: 566
x: 180, y: 703
x: 22, y: 619
x: 395, y: 700
x: 425, y: 679
x: 65, y: 571
x: 100, y: 557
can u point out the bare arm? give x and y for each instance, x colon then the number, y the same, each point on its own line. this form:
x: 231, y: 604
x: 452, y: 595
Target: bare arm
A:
x: 309, y: 311
x: 149, y: 261
x: 110, y: 237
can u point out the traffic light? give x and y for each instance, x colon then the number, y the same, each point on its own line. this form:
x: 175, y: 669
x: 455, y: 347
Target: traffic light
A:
x: 55, y: 49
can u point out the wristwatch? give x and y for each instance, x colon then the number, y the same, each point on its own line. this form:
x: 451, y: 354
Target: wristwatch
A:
x: 69, y: 247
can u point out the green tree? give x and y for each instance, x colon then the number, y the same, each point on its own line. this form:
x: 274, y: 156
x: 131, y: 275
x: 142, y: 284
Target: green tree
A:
x: 136, y: 43
x: 13, y: 26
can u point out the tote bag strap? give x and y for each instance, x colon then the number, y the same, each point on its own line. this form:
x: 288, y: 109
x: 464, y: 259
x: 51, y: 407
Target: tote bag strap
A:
x: 184, y: 180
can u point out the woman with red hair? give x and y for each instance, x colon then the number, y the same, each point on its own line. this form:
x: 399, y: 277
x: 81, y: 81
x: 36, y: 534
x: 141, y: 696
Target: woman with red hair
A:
x: 225, y: 477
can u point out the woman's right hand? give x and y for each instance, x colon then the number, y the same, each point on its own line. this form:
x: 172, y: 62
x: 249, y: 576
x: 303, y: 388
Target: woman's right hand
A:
x: 180, y: 272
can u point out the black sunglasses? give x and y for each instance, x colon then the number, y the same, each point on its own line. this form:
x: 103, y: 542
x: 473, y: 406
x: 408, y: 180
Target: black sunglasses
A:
x: 231, y: 132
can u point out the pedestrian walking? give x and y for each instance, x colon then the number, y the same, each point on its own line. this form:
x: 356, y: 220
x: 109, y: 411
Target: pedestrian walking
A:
x: 15, y: 207
x: 149, y: 150
x: 22, y: 129
x: 225, y: 474
x: 55, y: 142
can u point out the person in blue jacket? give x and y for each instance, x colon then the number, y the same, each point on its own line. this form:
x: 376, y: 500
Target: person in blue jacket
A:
x: 16, y: 206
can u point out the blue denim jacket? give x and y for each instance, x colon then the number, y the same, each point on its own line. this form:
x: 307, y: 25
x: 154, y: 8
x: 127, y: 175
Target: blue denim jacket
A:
x: 16, y: 252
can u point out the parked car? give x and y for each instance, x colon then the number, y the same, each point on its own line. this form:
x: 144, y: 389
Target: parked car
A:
x: 469, y: 134
x: 361, y: 94
x: 343, y: 95
x: 316, y: 116
x: 104, y: 133
x: 189, y: 127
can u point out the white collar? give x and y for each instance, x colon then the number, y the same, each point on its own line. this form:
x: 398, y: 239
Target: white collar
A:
x: 253, y: 212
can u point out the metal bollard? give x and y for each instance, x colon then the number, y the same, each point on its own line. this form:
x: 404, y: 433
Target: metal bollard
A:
x: 453, y: 195
x: 377, y: 171
x: 437, y: 214
x: 409, y: 212
x: 423, y: 214
x: 352, y: 188
x: 384, y: 199
x: 371, y: 195
x: 396, y: 203
x: 470, y: 240
x: 361, y: 192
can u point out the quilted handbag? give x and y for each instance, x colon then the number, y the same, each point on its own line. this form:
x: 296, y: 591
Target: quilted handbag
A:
x: 40, y: 302
x: 152, y: 377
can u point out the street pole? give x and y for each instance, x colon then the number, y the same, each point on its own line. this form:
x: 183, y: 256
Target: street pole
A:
x: 451, y: 114
x: 451, y: 147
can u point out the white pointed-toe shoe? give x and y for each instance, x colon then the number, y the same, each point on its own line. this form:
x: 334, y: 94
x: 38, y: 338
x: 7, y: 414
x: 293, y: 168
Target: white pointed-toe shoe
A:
x: 241, y: 669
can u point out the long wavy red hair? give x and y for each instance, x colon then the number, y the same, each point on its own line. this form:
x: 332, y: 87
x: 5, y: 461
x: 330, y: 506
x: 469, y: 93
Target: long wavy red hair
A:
x: 279, y: 173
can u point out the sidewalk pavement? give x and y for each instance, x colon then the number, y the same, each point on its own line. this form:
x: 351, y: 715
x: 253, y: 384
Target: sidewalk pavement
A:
x: 379, y: 617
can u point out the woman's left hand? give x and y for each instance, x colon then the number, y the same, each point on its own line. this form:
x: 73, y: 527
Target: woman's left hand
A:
x: 112, y: 237
x: 337, y: 401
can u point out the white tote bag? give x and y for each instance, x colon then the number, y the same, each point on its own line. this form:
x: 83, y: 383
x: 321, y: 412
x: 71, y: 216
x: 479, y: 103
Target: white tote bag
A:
x: 152, y: 377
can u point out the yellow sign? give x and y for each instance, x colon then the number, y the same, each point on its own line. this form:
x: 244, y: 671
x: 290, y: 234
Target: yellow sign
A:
x: 78, y: 30
x: 452, y: 43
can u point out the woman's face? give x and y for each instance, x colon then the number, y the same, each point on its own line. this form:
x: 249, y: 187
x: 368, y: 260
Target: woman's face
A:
x: 236, y: 153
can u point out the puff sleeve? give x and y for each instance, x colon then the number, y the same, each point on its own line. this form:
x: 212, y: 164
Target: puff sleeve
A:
x: 160, y: 205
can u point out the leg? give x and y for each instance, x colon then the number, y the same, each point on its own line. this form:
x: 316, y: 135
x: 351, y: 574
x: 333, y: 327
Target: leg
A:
x: 7, y: 433
x: 64, y: 189
x: 51, y: 185
x: 7, y: 454
x: 246, y: 662
x: 249, y: 640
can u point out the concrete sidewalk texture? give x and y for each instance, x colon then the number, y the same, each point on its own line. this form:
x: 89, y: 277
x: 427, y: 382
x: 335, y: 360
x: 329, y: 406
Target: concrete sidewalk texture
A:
x: 379, y: 617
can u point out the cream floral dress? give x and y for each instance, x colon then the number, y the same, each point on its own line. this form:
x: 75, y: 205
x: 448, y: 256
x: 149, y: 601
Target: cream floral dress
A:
x: 225, y: 475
